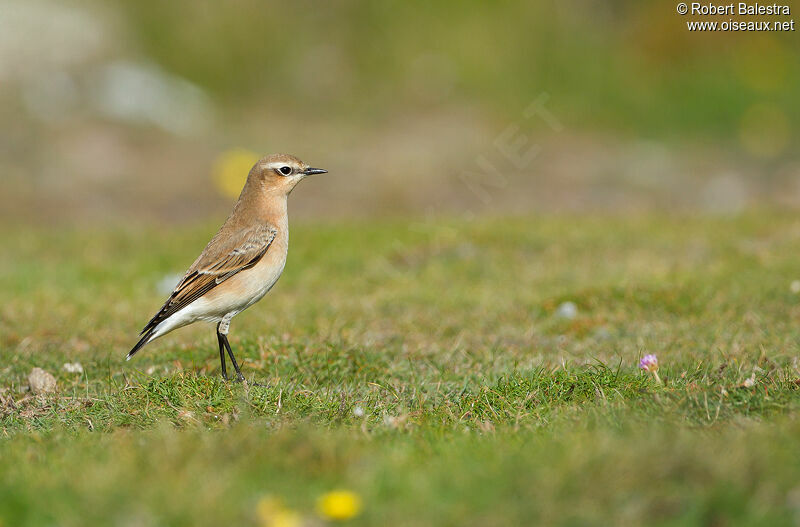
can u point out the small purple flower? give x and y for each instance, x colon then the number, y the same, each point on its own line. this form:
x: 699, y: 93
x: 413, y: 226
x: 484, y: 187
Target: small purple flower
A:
x: 649, y: 363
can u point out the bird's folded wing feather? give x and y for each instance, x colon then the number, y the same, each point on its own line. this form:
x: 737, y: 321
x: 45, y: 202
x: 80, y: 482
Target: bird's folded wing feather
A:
x: 218, y: 262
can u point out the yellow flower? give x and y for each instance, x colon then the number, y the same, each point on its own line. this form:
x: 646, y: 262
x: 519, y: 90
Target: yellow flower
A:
x: 231, y: 169
x: 339, y: 505
x: 273, y: 513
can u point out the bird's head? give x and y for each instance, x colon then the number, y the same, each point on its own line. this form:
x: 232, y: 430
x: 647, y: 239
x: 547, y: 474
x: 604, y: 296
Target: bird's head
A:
x: 279, y: 173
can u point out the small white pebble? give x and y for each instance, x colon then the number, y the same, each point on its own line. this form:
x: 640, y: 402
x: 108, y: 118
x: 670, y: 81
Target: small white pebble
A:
x: 41, y: 382
x: 567, y: 310
x: 794, y: 287
x: 750, y: 382
x: 358, y: 411
x: 72, y: 367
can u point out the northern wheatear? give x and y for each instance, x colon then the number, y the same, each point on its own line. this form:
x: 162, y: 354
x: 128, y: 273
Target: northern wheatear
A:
x: 242, y: 261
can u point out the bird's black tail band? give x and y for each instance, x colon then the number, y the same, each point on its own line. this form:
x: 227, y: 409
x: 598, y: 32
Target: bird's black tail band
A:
x: 139, y: 345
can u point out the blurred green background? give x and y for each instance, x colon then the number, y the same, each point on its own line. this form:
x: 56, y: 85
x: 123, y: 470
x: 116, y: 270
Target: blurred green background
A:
x: 119, y: 110
x: 524, y: 198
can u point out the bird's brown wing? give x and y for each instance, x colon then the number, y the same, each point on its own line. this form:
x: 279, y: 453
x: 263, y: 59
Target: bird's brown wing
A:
x: 219, y: 261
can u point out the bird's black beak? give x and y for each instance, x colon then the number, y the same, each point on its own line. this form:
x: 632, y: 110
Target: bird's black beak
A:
x: 312, y: 171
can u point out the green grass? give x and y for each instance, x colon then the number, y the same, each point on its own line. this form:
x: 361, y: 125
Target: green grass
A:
x: 481, y: 406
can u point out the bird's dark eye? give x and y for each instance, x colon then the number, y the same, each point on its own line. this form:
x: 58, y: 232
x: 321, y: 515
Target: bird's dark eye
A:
x: 286, y: 170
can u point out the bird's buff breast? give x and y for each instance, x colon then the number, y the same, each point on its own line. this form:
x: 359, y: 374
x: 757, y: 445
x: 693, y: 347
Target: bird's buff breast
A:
x: 248, y: 287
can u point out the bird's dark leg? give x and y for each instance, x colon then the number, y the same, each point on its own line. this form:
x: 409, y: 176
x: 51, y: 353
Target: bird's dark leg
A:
x: 222, y: 354
x: 239, y: 376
